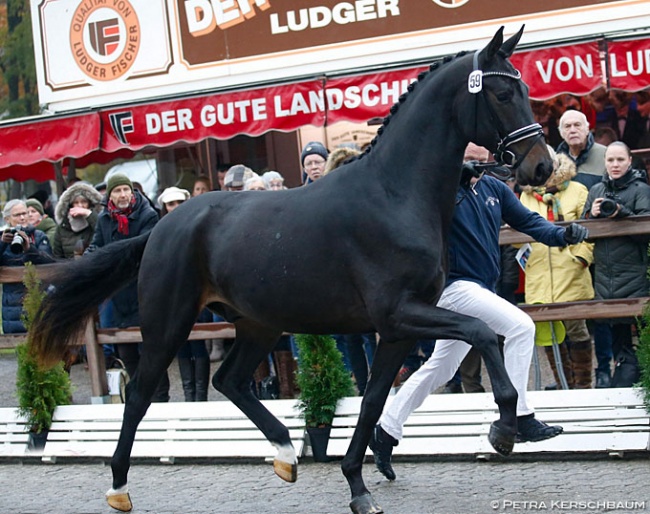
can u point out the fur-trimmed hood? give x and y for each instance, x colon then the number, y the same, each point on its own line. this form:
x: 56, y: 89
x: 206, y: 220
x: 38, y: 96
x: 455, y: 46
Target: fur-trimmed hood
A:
x: 77, y: 189
x: 565, y: 170
x: 338, y: 157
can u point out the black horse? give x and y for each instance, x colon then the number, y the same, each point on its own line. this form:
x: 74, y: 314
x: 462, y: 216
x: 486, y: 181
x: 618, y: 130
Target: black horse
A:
x: 361, y: 250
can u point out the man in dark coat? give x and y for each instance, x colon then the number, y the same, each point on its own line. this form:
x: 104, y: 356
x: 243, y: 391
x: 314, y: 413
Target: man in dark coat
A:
x: 579, y: 145
x: 128, y: 214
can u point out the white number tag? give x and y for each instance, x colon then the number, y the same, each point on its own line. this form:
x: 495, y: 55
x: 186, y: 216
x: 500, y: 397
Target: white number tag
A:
x: 475, y: 82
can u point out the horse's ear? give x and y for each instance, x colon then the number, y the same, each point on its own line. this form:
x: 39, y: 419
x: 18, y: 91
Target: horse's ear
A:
x: 493, y: 47
x: 509, y: 46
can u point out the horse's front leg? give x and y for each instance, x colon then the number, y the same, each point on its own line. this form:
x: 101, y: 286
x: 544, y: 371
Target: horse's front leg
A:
x: 233, y: 378
x: 387, y: 362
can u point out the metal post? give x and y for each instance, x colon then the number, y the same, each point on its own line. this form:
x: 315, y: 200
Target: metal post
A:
x: 558, y: 358
x: 538, y: 371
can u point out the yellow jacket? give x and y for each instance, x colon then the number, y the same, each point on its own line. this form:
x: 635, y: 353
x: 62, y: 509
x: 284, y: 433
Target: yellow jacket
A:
x: 556, y: 274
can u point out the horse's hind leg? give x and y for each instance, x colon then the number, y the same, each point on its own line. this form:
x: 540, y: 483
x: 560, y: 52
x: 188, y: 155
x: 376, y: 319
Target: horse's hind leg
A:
x: 161, y: 341
x: 253, y: 342
x: 139, y: 392
x: 387, y: 362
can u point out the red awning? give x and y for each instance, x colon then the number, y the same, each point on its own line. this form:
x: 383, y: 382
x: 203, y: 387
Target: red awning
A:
x: 574, y: 69
x: 253, y: 112
x: 629, y: 64
x: 222, y: 116
x: 27, y: 150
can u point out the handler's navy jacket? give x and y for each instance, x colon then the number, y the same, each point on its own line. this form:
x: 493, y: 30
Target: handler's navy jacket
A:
x: 474, y: 240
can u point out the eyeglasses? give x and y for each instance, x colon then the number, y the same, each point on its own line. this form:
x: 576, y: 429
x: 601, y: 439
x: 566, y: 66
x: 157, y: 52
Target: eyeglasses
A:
x: 314, y: 164
x: 20, y: 215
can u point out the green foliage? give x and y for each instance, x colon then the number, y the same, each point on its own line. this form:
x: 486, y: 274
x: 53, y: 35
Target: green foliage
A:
x: 34, y: 295
x: 17, y: 64
x: 643, y: 355
x: 39, y: 391
x: 321, y: 377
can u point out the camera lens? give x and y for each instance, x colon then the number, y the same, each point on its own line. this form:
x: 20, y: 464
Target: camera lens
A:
x: 16, y: 245
x: 608, y: 207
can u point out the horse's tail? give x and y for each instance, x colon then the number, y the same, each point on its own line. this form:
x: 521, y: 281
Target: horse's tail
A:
x: 79, y: 288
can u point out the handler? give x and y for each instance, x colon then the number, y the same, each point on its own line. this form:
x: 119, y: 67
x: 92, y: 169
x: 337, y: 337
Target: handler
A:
x: 481, y: 203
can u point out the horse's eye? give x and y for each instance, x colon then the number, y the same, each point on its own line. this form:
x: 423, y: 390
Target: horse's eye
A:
x: 503, y: 96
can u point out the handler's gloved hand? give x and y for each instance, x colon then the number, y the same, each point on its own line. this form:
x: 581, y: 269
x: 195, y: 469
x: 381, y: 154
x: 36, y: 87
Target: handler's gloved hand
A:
x: 575, y: 234
x: 468, y: 172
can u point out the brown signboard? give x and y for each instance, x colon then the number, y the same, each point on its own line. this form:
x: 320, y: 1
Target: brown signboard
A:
x: 218, y: 30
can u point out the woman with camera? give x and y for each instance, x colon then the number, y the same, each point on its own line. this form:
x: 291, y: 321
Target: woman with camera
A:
x: 620, y: 263
x: 20, y: 243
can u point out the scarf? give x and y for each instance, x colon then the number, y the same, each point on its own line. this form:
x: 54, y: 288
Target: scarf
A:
x: 547, y: 196
x: 121, y: 215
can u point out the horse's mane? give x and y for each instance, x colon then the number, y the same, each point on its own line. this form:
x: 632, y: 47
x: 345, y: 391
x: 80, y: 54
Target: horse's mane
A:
x: 402, y: 98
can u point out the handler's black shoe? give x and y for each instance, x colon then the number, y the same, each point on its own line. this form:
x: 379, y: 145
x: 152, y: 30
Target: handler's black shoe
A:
x: 530, y: 429
x: 381, y: 444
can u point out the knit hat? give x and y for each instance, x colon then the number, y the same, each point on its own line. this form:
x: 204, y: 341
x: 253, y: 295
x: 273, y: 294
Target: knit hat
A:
x: 313, y: 148
x: 237, y: 175
x: 119, y: 179
x: 33, y: 202
x: 173, y: 194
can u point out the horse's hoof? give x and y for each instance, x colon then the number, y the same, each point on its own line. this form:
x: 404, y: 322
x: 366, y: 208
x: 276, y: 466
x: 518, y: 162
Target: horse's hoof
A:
x: 285, y: 470
x: 121, y: 502
x: 365, y: 504
x: 500, y: 440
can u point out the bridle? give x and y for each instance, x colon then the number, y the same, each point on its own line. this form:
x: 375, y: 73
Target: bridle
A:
x: 534, y: 131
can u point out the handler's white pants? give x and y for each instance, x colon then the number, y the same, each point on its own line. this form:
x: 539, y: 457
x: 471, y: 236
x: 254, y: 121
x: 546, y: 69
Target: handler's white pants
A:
x: 501, y: 316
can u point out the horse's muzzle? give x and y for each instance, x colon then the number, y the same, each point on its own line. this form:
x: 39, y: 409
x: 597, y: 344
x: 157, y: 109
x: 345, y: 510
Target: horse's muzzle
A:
x: 539, y: 176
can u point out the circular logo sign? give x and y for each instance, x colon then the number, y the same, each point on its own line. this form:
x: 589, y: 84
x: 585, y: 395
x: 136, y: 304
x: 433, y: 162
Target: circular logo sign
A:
x: 105, y: 40
x: 450, y: 4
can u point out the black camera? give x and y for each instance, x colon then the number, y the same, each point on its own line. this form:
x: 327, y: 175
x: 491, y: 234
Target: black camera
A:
x: 608, y: 207
x: 17, y: 242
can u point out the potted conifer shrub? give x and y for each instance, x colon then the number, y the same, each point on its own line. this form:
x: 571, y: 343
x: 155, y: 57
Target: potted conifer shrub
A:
x: 39, y: 391
x: 323, y: 381
x: 643, y: 355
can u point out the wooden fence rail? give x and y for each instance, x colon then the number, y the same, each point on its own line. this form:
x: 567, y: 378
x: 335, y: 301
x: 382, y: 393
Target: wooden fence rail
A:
x: 594, y: 309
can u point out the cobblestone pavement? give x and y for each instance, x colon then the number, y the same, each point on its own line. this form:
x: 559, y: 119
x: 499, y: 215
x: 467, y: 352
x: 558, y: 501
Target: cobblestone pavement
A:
x: 425, y: 487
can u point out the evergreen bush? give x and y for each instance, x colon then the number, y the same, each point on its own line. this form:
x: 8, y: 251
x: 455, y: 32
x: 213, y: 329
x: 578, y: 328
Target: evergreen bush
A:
x: 321, y: 377
x: 39, y: 391
x: 643, y: 355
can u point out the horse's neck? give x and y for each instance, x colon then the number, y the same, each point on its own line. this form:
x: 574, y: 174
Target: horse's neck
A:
x: 419, y: 153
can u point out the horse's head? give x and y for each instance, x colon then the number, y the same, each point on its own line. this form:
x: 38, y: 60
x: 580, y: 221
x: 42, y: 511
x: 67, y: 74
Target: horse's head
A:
x: 494, y: 112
